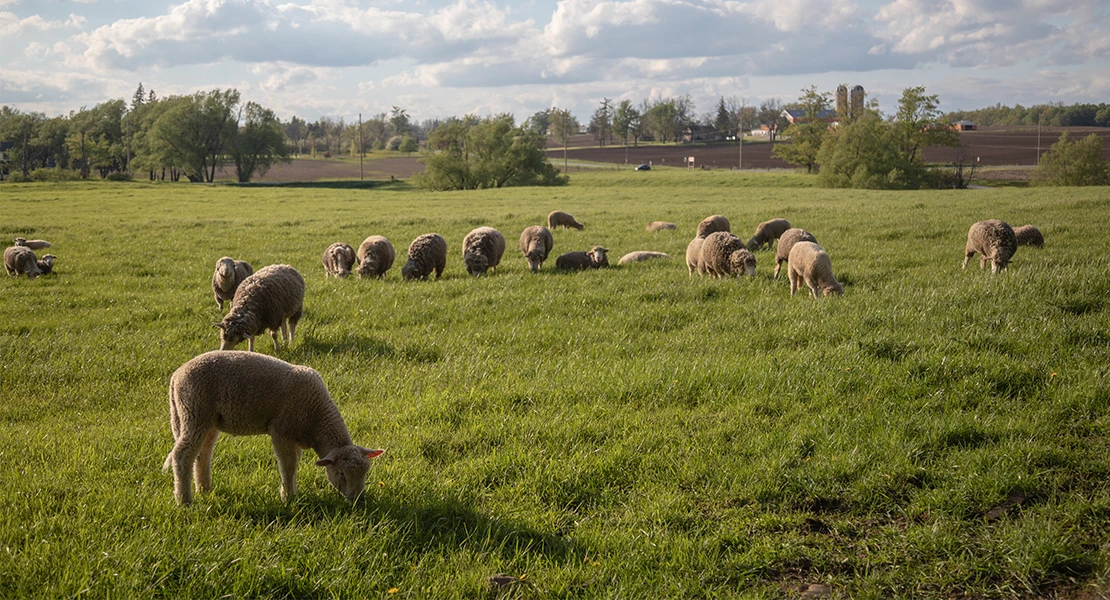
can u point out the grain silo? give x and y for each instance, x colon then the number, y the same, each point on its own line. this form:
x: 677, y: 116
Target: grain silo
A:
x: 842, y: 100
x: 857, y: 102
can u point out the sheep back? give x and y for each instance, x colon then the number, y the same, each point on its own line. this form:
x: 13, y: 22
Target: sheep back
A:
x: 809, y: 263
x: 228, y: 275
x: 338, y: 259
x: 722, y: 253
x: 767, y: 232
x: 786, y: 242
x: 482, y: 250
x: 1028, y: 235
x: 267, y: 299
x: 536, y: 243
x: 375, y: 257
x: 21, y: 260
x: 558, y: 218
x: 427, y: 253
x: 32, y: 244
x: 641, y: 256
x: 595, y: 258
x: 994, y: 240
x: 660, y: 226
x: 713, y: 224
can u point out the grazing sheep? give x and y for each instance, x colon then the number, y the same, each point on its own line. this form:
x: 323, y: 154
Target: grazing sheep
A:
x: 227, y: 277
x: 786, y: 242
x: 808, y: 262
x: 660, y: 226
x: 46, y: 264
x: 1028, y: 235
x: 577, y: 261
x: 713, y: 224
x: 536, y: 243
x: 20, y: 260
x: 767, y: 232
x: 427, y: 252
x: 32, y: 244
x: 482, y: 250
x: 722, y: 253
x: 693, y: 254
x: 338, y: 259
x: 272, y: 298
x: 641, y: 256
x: 558, y: 218
x: 241, y: 393
x: 375, y: 257
x: 994, y: 240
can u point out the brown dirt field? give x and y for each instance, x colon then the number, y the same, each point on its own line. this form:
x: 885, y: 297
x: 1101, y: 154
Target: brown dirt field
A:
x: 316, y: 169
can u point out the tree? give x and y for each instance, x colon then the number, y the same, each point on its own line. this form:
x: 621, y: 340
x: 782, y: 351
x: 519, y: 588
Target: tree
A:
x: 139, y: 98
x: 196, y: 129
x: 1073, y: 163
x: 561, y: 125
x: 21, y: 128
x: 626, y: 120
x: 399, y: 120
x: 920, y: 125
x: 867, y: 154
x: 538, y: 122
x: 296, y: 130
x: 808, y: 132
x: 769, y: 114
x: 662, y: 120
x: 408, y: 145
x: 723, y: 122
x: 258, y: 143
x: 601, y: 124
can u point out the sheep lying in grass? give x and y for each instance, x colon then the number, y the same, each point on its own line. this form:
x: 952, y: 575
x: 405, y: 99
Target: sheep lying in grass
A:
x: 722, y: 253
x: 228, y: 275
x: 713, y: 224
x: 32, y: 244
x: 241, y: 393
x: 558, y: 218
x: 375, y: 257
x: 693, y: 254
x: 994, y: 240
x: 641, y: 256
x: 427, y: 252
x: 536, y: 243
x: 809, y: 263
x: 786, y: 242
x: 46, y: 264
x: 338, y: 259
x: 596, y: 258
x: 272, y: 298
x: 660, y: 226
x: 767, y: 232
x: 1028, y: 235
x: 482, y: 250
x: 21, y: 260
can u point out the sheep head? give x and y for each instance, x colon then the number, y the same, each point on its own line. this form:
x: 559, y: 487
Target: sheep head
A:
x: 598, y: 256
x: 347, y: 467
x: 233, y: 330
x: 476, y: 263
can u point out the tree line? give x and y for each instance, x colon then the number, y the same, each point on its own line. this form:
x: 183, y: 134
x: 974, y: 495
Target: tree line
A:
x: 1051, y: 115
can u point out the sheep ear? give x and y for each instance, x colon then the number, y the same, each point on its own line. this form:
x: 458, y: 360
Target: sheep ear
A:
x: 326, y: 461
x: 371, y: 453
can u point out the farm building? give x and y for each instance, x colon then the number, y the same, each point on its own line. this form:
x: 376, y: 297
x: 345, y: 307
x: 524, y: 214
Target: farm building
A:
x: 794, y: 115
x: 965, y: 126
x: 700, y: 133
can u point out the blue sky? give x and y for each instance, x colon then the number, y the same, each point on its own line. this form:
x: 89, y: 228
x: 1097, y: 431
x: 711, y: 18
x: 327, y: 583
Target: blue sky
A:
x: 438, y: 58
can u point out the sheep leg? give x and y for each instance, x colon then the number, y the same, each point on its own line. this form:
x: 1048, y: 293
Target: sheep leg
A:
x: 793, y: 275
x: 982, y: 261
x: 274, y: 336
x: 202, y: 466
x: 250, y: 344
x: 288, y: 456
x: 812, y: 289
x: 778, y: 265
x: 285, y: 331
x: 293, y: 320
x: 183, y: 456
x: 967, y: 257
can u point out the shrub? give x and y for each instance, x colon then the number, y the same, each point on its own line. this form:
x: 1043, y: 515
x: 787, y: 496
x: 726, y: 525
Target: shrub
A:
x: 118, y: 177
x: 867, y: 154
x: 394, y: 143
x: 1073, y: 163
x: 16, y: 177
x: 56, y: 174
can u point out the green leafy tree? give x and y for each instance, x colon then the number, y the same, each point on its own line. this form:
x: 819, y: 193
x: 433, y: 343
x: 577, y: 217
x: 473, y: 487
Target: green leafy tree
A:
x: 626, y: 122
x: 601, y: 123
x: 561, y: 125
x: 539, y: 121
x: 866, y: 153
x: 408, y: 145
x: 1073, y: 163
x: 662, y: 120
x: 724, y: 122
x: 399, y: 121
x: 21, y: 129
x: 808, y: 132
x: 920, y: 124
x: 195, y: 130
x: 258, y: 143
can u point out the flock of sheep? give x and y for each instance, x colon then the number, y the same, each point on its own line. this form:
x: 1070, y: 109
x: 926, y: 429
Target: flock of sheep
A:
x: 244, y: 393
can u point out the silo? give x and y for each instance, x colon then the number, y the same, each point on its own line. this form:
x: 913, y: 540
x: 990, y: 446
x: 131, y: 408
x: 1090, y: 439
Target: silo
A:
x: 842, y: 100
x: 857, y: 102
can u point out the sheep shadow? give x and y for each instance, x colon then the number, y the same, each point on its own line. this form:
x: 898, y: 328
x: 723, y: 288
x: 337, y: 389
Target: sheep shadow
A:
x: 363, y: 346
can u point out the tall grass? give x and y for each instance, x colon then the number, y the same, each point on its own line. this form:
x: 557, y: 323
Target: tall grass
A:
x: 624, y: 433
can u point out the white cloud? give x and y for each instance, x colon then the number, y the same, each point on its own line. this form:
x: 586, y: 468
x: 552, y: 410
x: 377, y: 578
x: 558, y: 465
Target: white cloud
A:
x: 12, y: 25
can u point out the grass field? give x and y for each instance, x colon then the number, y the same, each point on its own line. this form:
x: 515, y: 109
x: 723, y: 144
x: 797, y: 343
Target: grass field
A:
x: 624, y: 433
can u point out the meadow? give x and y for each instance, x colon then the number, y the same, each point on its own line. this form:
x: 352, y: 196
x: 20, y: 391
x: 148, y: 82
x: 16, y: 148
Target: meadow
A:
x: 625, y: 433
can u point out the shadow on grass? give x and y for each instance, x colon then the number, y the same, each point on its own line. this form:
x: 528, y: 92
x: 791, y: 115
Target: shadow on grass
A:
x: 333, y: 185
x: 364, y: 346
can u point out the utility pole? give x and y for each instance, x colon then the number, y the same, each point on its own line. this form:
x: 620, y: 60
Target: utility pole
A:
x: 740, y: 131
x: 566, y: 117
x: 361, y: 150
x: 1038, y: 141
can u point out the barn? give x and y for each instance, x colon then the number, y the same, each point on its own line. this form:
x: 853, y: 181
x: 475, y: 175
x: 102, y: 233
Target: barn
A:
x: 965, y: 126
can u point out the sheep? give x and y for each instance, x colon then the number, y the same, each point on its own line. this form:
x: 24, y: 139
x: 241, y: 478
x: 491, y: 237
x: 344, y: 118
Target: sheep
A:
x: 994, y: 240
x: 660, y: 226
x: 810, y: 263
x: 767, y: 232
x: 338, y: 259
x: 713, y: 224
x: 482, y: 250
x: 46, y: 264
x: 32, y: 244
x: 375, y: 257
x: 596, y: 258
x: 693, y: 254
x: 722, y: 253
x: 558, y: 218
x: 1028, y: 235
x: 227, y: 277
x: 21, y: 260
x: 272, y: 298
x: 242, y: 393
x: 536, y: 243
x: 641, y: 256
x: 426, y: 253
x: 786, y: 242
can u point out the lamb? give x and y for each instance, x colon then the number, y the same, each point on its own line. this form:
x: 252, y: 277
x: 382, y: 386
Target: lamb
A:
x: 426, y: 253
x: 227, y: 277
x: 596, y: 258
x: 786, y: 242
x: 641, y: 256
x: 693, y: 254
x: 767, y: 232
x: 994, y: 240
x: 1028, y: 235
x: 558, y: 218
x: 32, y: 244
x: 241, y: 393
x: 660, y: 226
x: 810, y: 263
x: 338, y: 259
x: 536, y: 243
x: 713, y: 224
x: 375, y: 257
x: 273, y: 299
x: 46, y: 264
x: 21, y: 260
x: 482, y: 250
x: 722, y: 253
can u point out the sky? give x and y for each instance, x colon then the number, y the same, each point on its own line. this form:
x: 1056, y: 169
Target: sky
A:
x: 438, y: 58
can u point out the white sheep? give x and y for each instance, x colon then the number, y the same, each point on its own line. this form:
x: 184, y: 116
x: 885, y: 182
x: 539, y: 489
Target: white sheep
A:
x: 536, y: 243
x: 596, y: 258
x: 242, y: 393
x: 693, y: 254
x: 338, y: 259
x: 375, y: 257
x: 32, y: 244
x: 46, y: 264
x: 427, y: 252
x: 660, y: 226
x: 1028, y: 235
x: 482, y: 250
x: 722, y: 253
x: 810, y: 263
x: 228, y: 275
x: 558, y: 218
x: 713, y: 224
x: 786, y: 242
x: 21, y: 260
x: 994, y: 240
x: 641, y: 256
x: 767, y: 232
x: 272, y: 298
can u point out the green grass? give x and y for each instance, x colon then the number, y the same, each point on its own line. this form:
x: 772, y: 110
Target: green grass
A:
x: 628, y: 433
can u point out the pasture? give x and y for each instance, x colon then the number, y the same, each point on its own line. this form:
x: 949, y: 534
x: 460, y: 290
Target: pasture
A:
x: 623, y: 433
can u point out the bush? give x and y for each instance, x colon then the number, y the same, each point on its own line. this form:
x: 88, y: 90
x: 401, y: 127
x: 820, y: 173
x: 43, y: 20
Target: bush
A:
x: 1073, y: 163
x: 16, y: 177
x: 118, y: 177
x: 867, y: 154
x: 394, y: 143
x: 56, y: 174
